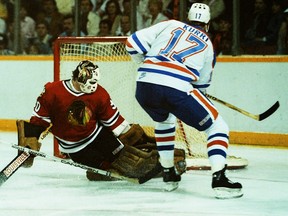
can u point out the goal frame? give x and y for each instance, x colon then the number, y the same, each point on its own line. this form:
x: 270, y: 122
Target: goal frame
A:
x: 61, y: 40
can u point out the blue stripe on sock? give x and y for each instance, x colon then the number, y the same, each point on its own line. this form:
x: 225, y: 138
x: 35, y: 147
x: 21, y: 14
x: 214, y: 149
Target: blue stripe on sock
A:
x: 217, y: 152
x: 170, y: 130
x: 165, y: 148
x: 218, y: 135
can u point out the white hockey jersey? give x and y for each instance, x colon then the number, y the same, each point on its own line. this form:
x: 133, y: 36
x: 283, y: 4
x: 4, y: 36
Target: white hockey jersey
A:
x: 174, y: 54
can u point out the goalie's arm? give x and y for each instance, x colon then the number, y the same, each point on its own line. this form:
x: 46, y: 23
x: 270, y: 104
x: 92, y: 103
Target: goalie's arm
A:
x: 30, y: 130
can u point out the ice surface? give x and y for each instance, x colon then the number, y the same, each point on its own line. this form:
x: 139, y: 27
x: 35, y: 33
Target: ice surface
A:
x: 52, y: 189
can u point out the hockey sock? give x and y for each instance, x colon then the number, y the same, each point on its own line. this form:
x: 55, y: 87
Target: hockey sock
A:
x: 217, y: 144
x: 165, y: 137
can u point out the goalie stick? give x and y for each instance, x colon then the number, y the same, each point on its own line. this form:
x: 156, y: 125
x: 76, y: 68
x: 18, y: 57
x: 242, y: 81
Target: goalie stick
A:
x: 17, y: 162
x: 14, y: 165
x: 259, y: 117
x: 141, y: 180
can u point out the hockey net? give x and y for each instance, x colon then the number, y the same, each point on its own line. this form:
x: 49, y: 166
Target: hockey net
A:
x: 118, y: 74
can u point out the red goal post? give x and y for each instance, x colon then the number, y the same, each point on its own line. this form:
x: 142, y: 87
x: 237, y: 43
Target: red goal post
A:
x: 118, y: 74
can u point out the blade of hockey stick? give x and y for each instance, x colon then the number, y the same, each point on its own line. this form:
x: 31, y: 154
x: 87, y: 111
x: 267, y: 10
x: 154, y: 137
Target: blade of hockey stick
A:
x: 14, y: 165
x: 259, y: 117
x: 269, y: 112
x: 72, y: 163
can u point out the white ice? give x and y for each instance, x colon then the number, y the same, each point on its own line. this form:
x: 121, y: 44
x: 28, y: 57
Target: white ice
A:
x: 52, y: 188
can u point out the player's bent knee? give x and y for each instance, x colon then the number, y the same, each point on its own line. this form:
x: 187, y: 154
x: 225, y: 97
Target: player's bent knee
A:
x: 169, y: 121
x: 218, y: 126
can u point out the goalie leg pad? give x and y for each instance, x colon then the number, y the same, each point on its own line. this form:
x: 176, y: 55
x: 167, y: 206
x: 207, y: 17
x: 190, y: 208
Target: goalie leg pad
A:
x: 135, y: 163
x: 131, y: 162
x: 28, y: 142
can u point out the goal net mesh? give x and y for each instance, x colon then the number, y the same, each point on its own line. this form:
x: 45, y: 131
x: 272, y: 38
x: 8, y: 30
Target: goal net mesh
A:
x: 117, y: 76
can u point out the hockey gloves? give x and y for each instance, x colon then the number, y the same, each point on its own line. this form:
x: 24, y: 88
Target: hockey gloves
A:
x: 28, y: 136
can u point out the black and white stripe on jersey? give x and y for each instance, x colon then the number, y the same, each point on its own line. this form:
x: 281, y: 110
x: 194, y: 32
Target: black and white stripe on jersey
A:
x: 75, y: 146
x: 69, y: 87
x: 112, y: 120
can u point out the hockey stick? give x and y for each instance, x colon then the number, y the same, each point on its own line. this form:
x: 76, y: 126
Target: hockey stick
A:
x: 141, y: 180
x: 17, y: 162
x: 72, y: 163
x: 259, y: 117
x: 14, y: 165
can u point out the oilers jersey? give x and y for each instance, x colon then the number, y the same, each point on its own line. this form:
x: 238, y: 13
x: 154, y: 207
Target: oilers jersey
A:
x: 182, y: 60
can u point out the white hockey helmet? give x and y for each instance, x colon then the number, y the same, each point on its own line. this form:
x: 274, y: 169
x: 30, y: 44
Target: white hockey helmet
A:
x: 199, y: 12
x: 88, y: 75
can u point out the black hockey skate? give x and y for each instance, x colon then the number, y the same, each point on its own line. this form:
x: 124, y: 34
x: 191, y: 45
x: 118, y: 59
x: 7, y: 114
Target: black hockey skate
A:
x: 223, y: 187
x: 170, y: 178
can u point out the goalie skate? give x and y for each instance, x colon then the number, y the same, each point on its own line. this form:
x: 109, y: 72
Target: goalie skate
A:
x: 225, y: 188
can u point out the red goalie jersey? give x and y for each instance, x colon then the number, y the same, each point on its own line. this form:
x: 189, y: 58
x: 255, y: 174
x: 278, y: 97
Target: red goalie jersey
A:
x: 60, y: 101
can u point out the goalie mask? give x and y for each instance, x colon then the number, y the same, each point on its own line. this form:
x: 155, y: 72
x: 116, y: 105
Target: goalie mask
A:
x: 87, y: 75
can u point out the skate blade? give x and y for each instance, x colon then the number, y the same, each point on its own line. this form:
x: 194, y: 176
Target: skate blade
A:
x: 227, y: 193
x: 171, y: 186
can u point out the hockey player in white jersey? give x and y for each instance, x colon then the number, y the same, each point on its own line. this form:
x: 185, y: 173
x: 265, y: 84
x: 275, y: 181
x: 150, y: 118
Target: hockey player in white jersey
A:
x: 177, y: 61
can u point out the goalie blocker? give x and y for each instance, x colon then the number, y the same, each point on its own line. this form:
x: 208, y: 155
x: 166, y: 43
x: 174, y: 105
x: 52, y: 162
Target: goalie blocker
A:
x: 136, y: 155
x: 28, y: 136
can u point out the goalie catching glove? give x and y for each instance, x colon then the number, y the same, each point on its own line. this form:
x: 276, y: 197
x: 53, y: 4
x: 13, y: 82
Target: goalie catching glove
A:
x: 135, y: 163
x: 28, y: 135
x: 137, y: 137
